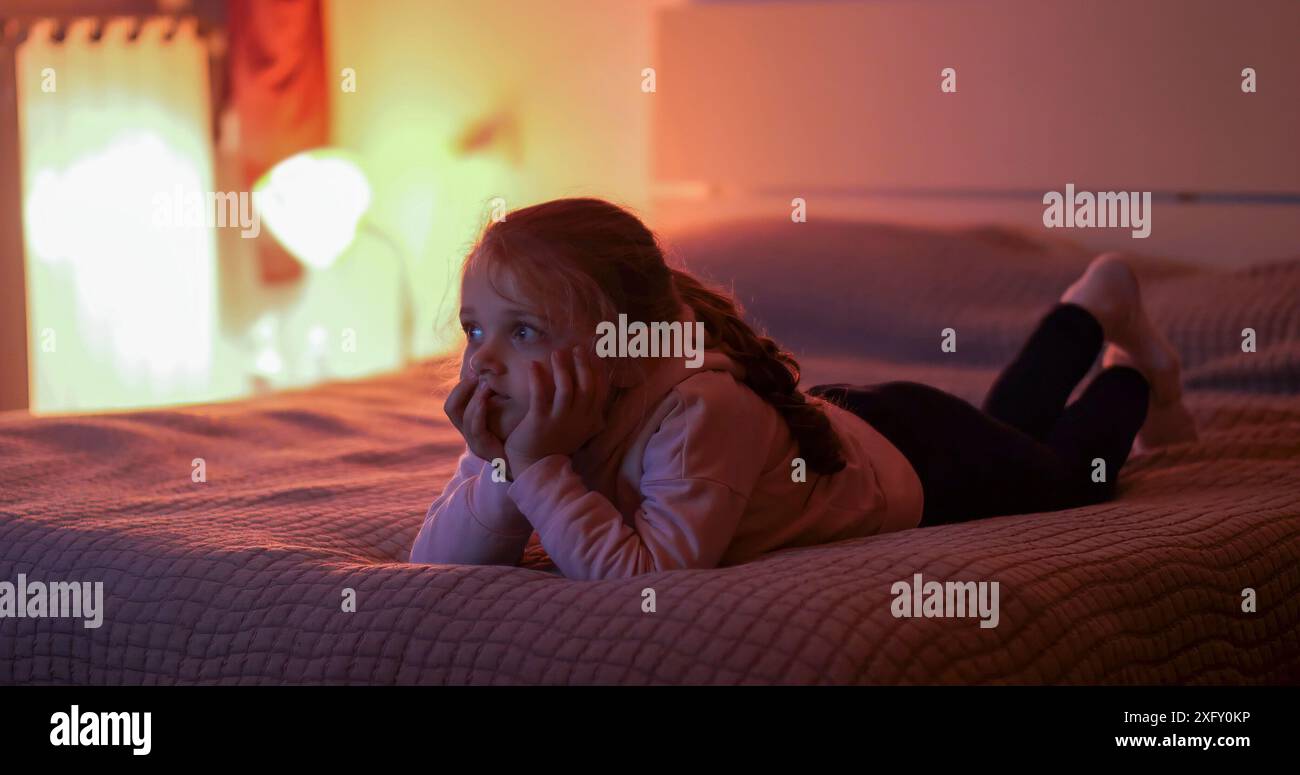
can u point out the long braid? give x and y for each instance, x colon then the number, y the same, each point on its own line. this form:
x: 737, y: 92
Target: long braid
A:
x: 770, y: 372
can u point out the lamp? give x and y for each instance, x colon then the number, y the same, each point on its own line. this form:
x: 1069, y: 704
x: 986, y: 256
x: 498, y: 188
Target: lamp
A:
x: 313, y: 203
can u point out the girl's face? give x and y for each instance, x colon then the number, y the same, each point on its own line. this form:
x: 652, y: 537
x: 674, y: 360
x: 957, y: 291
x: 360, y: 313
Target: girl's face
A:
x: 502, y: 336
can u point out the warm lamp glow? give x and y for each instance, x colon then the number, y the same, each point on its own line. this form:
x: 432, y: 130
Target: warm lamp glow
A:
x: 313, y: 202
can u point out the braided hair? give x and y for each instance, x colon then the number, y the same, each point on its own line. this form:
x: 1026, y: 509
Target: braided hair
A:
x: 588, y: 259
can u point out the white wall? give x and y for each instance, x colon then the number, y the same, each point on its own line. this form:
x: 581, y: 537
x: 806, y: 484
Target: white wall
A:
x: 839, y: 102
x: 567, y: 72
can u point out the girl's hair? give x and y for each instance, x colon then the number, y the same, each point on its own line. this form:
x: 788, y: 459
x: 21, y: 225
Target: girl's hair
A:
x: 585, y: 260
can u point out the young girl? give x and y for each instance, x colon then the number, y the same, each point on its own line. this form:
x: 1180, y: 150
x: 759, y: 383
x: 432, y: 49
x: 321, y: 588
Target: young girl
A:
x: 630, y: 465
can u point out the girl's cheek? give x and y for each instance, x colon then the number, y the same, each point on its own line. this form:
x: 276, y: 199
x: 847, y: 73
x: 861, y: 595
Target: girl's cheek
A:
x: 544, y: 361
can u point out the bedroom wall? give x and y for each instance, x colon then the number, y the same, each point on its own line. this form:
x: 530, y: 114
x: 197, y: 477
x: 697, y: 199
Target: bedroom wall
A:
x: 570, y: 124
x: 839, y: 102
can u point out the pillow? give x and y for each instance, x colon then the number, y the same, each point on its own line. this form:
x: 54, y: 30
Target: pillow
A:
x: 885, y: 292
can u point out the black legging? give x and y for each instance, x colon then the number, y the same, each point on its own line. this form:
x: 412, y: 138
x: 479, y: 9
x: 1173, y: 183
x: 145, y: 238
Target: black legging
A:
x: 1026, y: 451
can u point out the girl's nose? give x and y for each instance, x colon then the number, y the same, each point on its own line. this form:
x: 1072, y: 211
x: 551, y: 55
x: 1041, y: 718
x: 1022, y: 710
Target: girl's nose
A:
x: 485, y: 359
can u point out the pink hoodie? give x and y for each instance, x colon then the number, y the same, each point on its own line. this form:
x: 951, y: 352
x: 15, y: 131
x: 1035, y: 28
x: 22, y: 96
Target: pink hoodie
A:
x: 692, y: 470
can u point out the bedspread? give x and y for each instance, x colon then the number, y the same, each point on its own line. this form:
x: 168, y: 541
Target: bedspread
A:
x: 312, y: 499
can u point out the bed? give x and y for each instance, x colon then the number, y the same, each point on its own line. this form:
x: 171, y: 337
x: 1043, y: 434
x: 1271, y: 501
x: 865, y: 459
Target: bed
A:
x: 312, y: 498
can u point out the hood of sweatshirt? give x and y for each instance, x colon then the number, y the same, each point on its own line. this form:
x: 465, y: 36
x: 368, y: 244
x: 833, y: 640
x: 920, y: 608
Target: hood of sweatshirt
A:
x: 635, y: 404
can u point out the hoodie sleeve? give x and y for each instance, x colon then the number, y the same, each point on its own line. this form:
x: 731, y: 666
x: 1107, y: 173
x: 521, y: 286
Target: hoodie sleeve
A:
x: 698, y: 470
x: 473, y: 521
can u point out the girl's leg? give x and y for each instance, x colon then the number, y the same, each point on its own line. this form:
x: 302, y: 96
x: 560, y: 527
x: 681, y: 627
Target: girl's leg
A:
x: 1110, y: 291
x: 1031, y: 392
x: 1103, y: 305
x: 1102, y: 424
x: 973, y: 465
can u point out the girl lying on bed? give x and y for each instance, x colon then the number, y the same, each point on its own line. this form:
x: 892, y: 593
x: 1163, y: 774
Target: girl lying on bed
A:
x: 632, y: 465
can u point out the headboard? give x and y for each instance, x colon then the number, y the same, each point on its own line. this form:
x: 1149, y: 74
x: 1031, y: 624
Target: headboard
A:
x: 840, y: 103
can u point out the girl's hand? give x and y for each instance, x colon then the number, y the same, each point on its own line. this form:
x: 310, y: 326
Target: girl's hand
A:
x: 466, y: 407
x: 564, y: 412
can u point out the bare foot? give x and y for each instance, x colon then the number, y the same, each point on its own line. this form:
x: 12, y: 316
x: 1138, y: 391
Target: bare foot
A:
x: 1166, y: 423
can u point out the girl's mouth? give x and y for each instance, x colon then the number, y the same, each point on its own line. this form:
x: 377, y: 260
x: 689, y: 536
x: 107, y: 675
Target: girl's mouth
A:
x: 496, y: 399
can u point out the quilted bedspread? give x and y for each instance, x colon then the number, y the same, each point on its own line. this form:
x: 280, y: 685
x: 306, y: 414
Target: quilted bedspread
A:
x: 312, y: 499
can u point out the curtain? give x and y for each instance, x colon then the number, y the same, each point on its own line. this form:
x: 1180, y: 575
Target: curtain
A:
x: 121, y: 301
x: 278, y: 92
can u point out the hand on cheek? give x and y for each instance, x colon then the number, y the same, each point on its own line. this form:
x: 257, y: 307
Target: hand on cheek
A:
x: 466, y: 407
x: 565, y: 409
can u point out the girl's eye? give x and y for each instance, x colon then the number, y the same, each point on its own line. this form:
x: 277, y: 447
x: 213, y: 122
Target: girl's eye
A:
x: 527, y: 332
x: 522, y: 332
